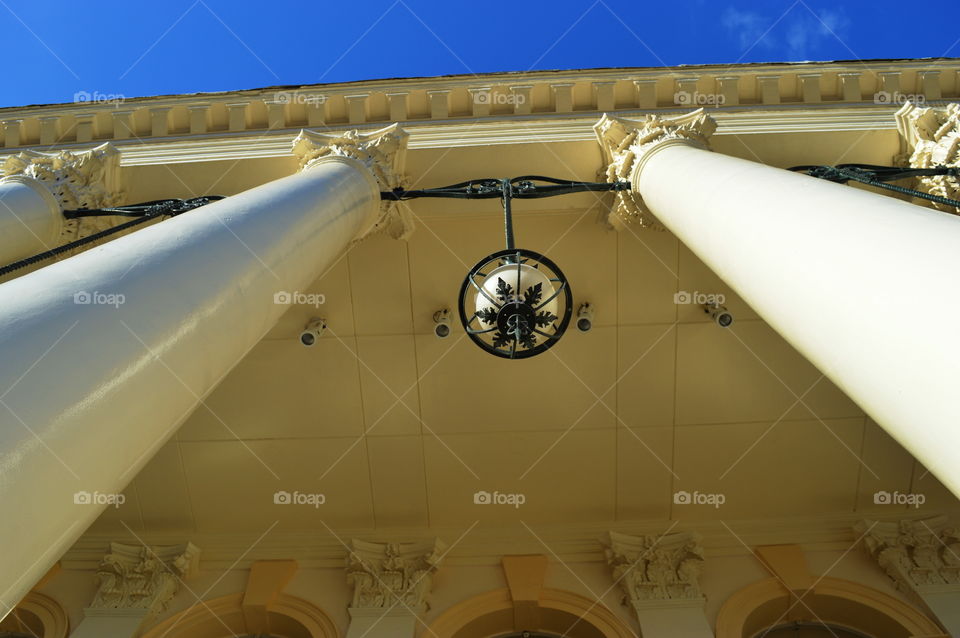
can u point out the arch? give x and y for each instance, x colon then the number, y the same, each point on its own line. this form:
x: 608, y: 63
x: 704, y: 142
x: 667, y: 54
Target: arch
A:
x: 834, y: 600
x: 561, y: 612
x: 287, y: 616
x: 41, y: 616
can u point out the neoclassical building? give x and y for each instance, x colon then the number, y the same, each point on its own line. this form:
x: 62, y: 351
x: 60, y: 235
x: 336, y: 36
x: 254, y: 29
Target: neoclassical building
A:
x: 304, y: 391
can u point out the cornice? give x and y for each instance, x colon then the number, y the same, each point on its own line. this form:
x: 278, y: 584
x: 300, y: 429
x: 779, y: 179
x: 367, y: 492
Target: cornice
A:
x: 532, y: 129
x: 486, y: 546
x: 421, y: 100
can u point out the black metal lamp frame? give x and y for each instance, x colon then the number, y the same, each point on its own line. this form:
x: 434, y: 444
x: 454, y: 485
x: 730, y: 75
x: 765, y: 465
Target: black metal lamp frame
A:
x: 517, y: 324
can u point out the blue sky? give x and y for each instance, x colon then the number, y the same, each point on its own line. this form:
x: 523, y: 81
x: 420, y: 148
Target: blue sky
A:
x: 134, y: 48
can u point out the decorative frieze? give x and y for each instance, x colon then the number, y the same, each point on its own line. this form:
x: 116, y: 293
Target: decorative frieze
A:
x: 384, y: 575
x: 136, y: 577
x: 382, y: 151
x: 932, y: 138
x: 625, y: 145
x: 656, y: 568
x: 920, y: 556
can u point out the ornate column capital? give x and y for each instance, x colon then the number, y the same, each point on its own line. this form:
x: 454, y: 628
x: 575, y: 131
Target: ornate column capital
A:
x: 921, y: 556
x: 136, y: 578
x: 931, y: 138
x: 383, y: 152
x: 384, y: 575
x: 627, y: 144
x: 655, y: 570
x: 84, y: 179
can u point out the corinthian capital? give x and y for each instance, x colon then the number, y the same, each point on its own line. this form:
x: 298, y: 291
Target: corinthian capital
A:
x: 656, y: 568
x: 135, y: 577
x: 87, y: 179
x: 932, y: 138
x: 384, y: 575
x: 627, y: 143
x: 383, y: 152
x: 918, y: 555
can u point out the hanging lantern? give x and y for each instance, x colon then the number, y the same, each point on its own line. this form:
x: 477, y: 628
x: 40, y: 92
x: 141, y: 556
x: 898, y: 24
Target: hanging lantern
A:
x: 515, y: 303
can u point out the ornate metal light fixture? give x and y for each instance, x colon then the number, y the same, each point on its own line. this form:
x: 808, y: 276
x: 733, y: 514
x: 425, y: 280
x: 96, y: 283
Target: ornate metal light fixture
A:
x: 514, y: 303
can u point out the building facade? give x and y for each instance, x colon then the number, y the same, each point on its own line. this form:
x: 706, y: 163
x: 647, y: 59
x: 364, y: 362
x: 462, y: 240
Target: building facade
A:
x: 244, y: 420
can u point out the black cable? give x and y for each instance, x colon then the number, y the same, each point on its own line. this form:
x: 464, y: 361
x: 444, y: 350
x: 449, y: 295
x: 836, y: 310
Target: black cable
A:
x: 144, y: 212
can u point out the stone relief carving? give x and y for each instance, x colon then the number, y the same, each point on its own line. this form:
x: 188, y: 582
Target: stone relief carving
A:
x: 85, y: 179
x: 382, y: 151
x: 387, y: 574
x: 916, y: 554
x: 656, y: 568
x: 932, y: 138
x: 138, y: 577
x: 625, y: 142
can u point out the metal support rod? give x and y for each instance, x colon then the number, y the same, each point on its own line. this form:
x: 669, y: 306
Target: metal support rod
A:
x: 507, y: 212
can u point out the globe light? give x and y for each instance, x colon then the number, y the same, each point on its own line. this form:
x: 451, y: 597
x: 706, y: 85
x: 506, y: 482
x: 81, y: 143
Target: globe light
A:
x: 515, y: 303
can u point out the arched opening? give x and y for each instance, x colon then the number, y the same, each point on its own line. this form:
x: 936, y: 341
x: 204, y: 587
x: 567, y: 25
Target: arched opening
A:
x: 838, y: 607
x: 559, y: 613
x: 37, y: 616
x: 286, y: 617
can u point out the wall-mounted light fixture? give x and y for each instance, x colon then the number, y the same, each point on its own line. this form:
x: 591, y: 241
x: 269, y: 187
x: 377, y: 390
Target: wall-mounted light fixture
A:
x: 313, y: 330
x: 718, y: 314
x: 441, y: 323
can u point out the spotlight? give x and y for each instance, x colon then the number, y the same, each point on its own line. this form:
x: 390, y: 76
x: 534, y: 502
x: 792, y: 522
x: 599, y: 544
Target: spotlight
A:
x: 312, y: 332
x: 585, y: 317
x: 719, y: 314
x: 441, y: 323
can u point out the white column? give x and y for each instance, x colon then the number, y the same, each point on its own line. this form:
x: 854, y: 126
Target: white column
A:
x: 660, y: 577
x: 390, y: 586
x: 863, y: 285
x: 106, y: 353
x: 37, y: 187
x: 30, y: 218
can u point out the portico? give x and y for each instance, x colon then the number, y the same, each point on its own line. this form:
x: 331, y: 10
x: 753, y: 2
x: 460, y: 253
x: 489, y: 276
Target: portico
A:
x: 331, y: 490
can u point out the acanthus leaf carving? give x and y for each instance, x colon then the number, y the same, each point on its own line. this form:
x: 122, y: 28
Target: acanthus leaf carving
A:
x: 387, y: 574
x: 932, y: 139
x: 624, y: 143
x: 81, y: 179
x: 140, y: 577
x: 915, y: 554
x: 656, y: 568
x: 383, y: 152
